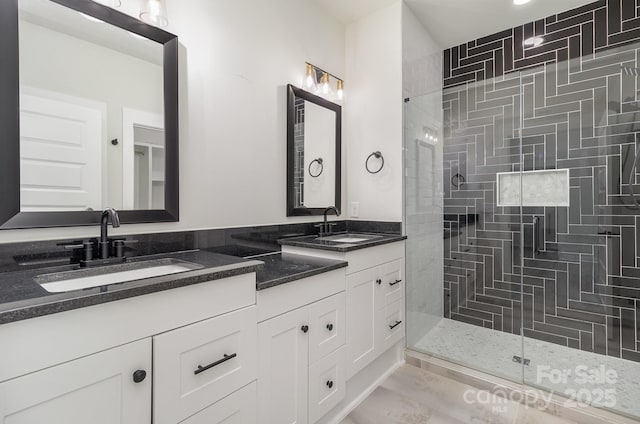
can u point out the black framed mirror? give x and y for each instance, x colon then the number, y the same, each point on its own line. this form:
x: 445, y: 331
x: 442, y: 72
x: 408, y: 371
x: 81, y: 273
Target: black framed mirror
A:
x: 314, y: 149
x: 89, y: 116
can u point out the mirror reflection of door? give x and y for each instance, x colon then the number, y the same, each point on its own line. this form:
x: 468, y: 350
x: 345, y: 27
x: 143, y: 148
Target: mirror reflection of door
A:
x: 60, y: 152
x: 77, y: 75
x: 143, y: 158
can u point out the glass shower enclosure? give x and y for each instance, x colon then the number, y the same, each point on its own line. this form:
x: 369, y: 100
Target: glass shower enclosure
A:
x: 523, y: 224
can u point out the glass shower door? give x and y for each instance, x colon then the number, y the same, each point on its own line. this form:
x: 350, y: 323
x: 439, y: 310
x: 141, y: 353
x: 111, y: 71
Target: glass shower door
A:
x: 463, y: 257
x: 580, y: 223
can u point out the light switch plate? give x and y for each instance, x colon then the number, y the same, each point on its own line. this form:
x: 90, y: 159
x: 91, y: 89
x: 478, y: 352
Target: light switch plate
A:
x: 354, y: 212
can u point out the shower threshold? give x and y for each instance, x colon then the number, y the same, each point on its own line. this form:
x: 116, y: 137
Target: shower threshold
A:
x: 558, y: 369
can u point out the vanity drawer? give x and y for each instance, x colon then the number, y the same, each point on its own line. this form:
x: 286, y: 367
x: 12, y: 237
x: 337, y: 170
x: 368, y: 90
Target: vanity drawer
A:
x: 327, y: 383
x: 391, y: 325
x: 196, y: 365
x: 392, y: 287
x: 327, y: 329
x: 237, y: 408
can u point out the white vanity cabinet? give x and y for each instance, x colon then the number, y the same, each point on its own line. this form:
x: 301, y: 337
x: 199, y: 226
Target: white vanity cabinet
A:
x: 302, y: 354
x: 374, y: 300
x: 375, y: 305
x: 77, y: 376
x: 110, y: 387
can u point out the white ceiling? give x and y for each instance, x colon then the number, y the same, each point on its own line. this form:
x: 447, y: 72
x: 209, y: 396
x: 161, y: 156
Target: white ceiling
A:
x: 453, y: 22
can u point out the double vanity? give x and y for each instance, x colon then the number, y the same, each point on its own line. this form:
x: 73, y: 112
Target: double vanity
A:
x: 291, y: 336
x: 207, y: 326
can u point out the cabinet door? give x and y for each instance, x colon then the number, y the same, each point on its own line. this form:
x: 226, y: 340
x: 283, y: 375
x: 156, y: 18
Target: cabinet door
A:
x: 237, y: 408
x: 327, y: 384
x: 196, y: 365
x: 392, y: 288
x: 96, y: 389
x: 361, y: 312
x: 283, y: 362
x: 327, y: 326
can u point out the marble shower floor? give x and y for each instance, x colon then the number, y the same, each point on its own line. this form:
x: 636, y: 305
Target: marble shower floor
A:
x: 412, y: 395
x: 552, y: 367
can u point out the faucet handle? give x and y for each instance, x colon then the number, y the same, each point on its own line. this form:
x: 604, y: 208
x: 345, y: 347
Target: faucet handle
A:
x: 83, y: 249
x: 70, y: 245
x: 124, y: 241
x: 119, y: 245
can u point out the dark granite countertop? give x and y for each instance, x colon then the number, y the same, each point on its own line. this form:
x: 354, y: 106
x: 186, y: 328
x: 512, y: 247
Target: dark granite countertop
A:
x: 22, y: 298
x: 280, y: 268
x: 315, y: 242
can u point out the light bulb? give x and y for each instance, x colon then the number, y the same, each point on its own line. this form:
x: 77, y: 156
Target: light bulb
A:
x: 340, y: 90
x: 520, y: 2
x: 310, y: 81
x: 325, y: 83
x: 154, y: 12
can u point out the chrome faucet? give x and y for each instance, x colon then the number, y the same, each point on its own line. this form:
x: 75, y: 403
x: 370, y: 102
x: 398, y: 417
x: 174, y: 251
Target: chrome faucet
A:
x: 109, y: 214
x: 325, y: 227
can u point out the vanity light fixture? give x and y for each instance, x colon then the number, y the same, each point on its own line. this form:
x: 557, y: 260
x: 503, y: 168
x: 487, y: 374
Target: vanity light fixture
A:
x: 154, y: 12
x: 430, y: 135
x: 318, y: 80
x: 533, y: 42
x: 520, y: 2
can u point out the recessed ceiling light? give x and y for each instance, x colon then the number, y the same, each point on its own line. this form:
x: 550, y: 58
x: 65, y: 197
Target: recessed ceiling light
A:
x: 533, y: 41
x: 520, y: 2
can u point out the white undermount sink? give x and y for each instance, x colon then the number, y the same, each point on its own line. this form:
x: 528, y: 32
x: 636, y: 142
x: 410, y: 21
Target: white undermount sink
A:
x: 95, y: 277
x: 350, y: 238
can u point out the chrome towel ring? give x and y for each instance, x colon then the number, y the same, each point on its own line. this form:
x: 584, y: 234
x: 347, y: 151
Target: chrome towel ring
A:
x: 319, y: 160
x: 377, y: 155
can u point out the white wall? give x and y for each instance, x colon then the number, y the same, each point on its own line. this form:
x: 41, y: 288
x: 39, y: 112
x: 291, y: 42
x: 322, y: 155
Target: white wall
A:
x: 236, y: 58
x: 373, y: 112
x: 421, y: 58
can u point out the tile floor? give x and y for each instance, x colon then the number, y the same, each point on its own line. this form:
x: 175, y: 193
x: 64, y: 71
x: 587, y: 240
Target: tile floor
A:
x: 412, y: 395
x: 492, y: 352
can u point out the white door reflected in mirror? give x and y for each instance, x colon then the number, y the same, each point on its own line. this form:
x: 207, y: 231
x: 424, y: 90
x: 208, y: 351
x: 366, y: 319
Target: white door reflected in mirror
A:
x: 77, y: 78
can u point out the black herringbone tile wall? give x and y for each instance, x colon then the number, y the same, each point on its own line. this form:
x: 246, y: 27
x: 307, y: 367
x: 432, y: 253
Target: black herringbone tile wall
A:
x: 576, y: 110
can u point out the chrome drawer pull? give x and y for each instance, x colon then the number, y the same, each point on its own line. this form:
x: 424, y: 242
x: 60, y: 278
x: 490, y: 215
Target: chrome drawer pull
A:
x: 395, y: 282
x: 391, y: 327
x: 218, y: 362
